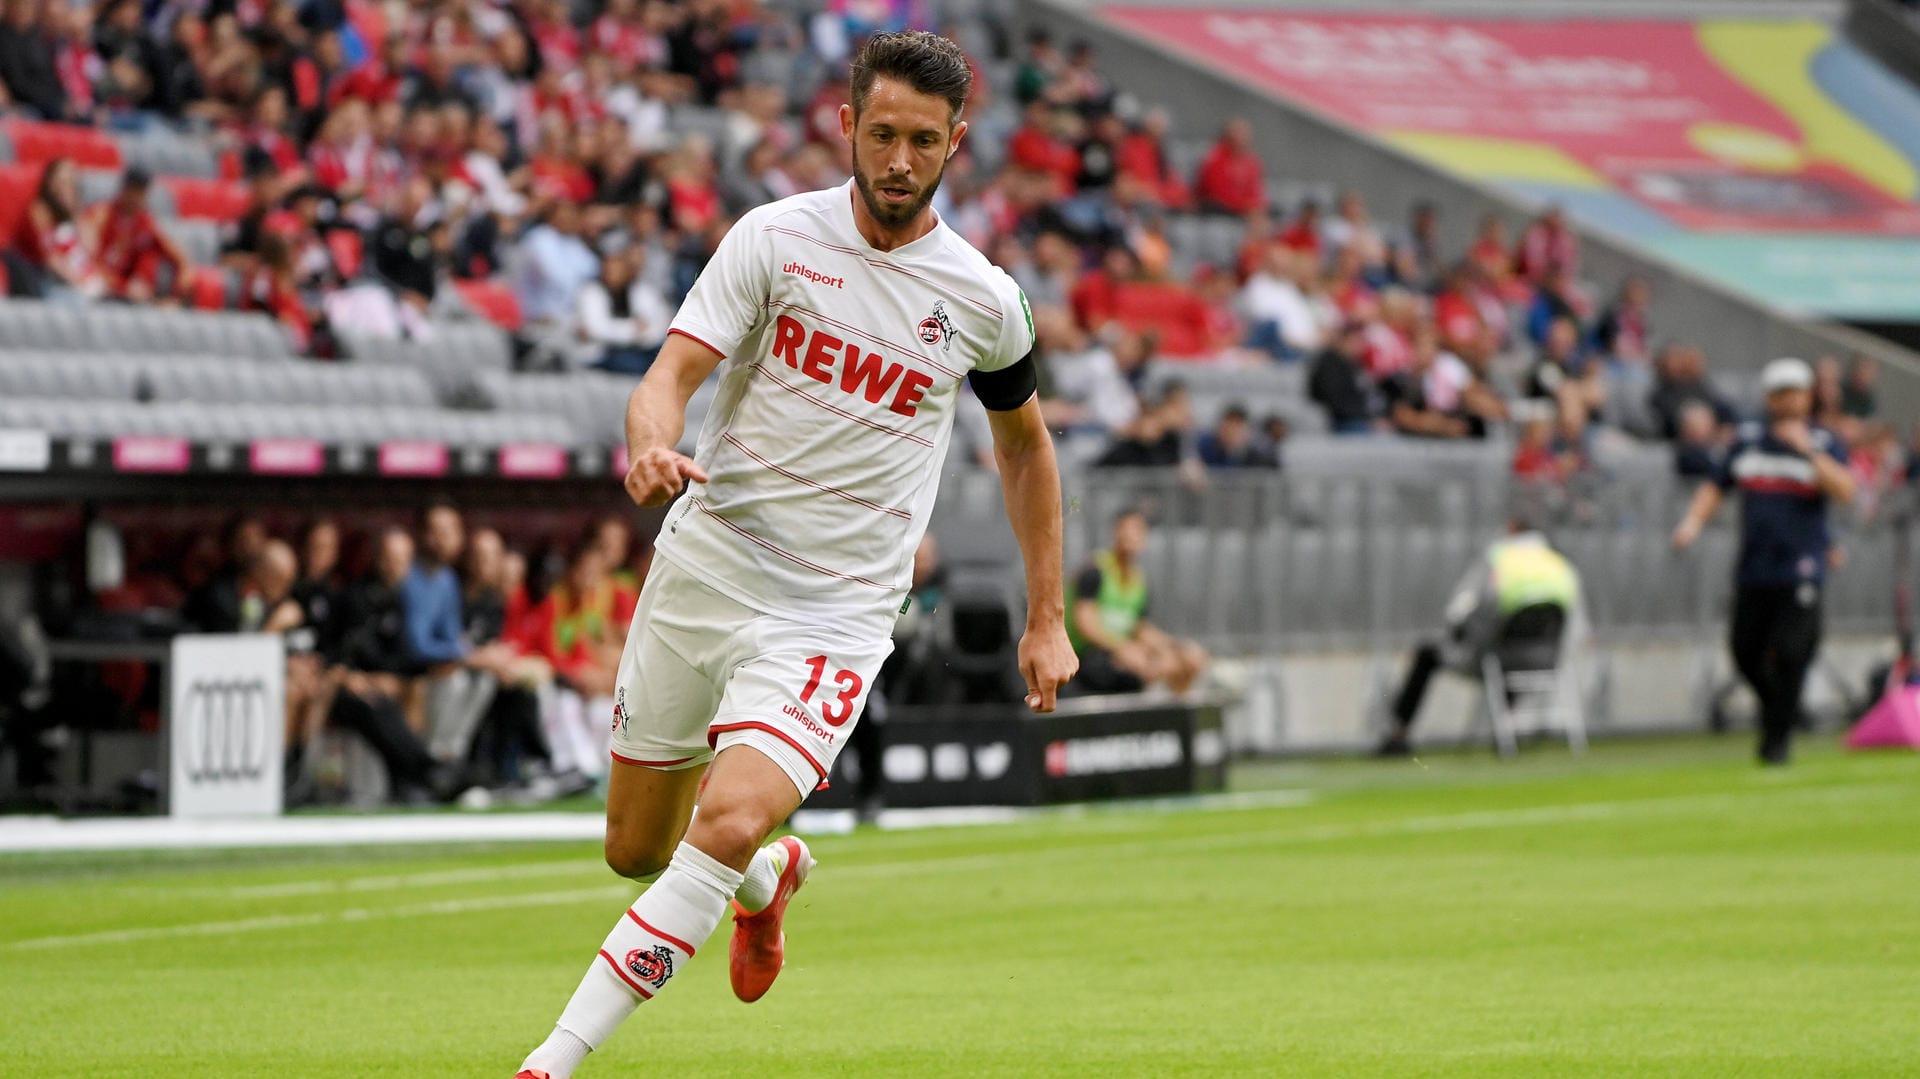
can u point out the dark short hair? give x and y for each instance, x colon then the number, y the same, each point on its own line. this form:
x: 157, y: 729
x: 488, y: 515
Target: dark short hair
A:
x: 1235, y: 412
x: 927, y: 62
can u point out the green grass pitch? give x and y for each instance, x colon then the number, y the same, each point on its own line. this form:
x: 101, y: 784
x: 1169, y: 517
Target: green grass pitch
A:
x: 1652, y: 909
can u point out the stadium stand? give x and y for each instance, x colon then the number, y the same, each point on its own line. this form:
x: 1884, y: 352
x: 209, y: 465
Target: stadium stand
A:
x: 357, y: 229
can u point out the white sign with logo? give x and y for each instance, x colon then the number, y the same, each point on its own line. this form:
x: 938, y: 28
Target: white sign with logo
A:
x: 25, y: 451
x: 226, y: 725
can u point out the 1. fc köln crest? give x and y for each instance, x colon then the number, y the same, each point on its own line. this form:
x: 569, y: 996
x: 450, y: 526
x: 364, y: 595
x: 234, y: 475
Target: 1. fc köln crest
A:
x: 937, y: 328
x: 654, y: 966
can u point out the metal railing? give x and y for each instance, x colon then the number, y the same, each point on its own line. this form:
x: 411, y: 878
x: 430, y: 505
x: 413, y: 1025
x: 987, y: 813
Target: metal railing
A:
x: 1253, y: 563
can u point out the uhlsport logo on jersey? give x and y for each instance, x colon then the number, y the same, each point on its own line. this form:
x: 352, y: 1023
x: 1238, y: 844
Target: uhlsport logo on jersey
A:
x: 937, y: 328
x: 653, y: 966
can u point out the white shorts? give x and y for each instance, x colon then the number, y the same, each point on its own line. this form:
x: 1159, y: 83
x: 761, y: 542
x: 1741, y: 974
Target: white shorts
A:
x: 703, y: 671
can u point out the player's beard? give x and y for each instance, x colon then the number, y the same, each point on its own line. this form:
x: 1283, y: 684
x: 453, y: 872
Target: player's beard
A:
x: 895, y: 216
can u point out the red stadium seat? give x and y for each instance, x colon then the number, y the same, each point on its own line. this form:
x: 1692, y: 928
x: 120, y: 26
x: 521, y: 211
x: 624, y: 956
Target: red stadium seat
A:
x: 211, y: 200
x: 493, y: 300
x: 35, y: 142
x: 17, y: 185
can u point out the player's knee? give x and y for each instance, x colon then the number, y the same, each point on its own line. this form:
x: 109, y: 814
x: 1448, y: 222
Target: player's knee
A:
x: 730, y: 834
x: 636, y: 858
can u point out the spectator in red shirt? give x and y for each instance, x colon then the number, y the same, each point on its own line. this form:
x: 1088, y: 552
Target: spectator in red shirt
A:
x: 1535, y: 457
x: 553, y: 170
x: 580, y: 627
x: 693, y: 200
x: 1303, y: 232
x: 1547, y: 243
x: 1232, y: 180
x: 266, y: 129
x: 342, y: 155
x: 1143, y: 156
x: 1456, y: 312
x: 1037, y: 147
x: 270, y: 287
x: 140, y: 261
x: 54, y: 242
x: 1096, y: 296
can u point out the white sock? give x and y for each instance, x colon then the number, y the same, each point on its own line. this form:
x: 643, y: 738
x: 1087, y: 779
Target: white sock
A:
x: 648, y: 946
x: 763, y: 876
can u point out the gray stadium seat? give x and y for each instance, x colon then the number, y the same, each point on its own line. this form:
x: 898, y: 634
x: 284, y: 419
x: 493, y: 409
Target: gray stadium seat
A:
x: 164, y: 152
x: 31, y: 324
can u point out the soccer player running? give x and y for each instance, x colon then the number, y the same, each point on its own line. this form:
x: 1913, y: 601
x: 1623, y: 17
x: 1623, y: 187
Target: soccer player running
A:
x: 1787, y: 471
x: 841, y: 323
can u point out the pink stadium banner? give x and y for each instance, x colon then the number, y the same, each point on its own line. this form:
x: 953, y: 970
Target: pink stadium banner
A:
x: 287, y: 457
x: 413, y: 458
x: 533, y: 460
x: 1713, y: 124
x: 151, y: 453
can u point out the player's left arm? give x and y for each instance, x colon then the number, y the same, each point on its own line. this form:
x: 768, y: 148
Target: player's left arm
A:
x: 1030, y: 479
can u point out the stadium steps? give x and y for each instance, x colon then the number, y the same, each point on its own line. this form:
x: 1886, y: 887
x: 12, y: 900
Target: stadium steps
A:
x: 592, y: 403
x: 178, y: 378
x: 33, y: 325
x: 453, y: 356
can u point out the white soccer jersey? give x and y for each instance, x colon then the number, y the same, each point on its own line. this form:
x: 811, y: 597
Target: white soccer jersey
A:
x: 825, y: 441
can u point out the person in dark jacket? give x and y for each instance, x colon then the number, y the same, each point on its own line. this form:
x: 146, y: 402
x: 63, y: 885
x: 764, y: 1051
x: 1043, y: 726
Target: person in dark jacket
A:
x: 26, y: 61
x: 1339, y: 384
x: 1788, y: 472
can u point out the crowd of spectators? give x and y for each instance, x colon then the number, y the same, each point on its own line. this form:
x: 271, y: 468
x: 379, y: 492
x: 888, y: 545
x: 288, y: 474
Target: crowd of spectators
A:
x: 460, y: 666
x: 544, y: 147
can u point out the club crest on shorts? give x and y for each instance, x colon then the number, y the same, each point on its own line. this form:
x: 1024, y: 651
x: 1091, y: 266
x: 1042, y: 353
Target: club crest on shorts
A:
x: 937, y: 328
x: 620, y: 710
x: 653, y: 967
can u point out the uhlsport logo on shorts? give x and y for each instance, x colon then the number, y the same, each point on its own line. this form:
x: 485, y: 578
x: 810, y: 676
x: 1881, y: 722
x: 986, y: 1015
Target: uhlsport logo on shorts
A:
x: 653, y: 967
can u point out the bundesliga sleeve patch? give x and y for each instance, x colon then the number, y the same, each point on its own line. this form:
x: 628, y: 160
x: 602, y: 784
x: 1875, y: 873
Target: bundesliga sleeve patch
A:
x: 1008, y: 388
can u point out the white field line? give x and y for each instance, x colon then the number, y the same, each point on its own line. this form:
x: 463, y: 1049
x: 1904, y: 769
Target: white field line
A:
x: 1478, y: 820
x: 356, y: 914
x: 900, y: 820
x: 438, y: 878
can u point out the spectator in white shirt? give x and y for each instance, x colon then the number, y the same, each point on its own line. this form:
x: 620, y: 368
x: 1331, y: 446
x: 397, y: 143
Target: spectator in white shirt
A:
x: 1086, y: 390
x: 1281, y: 318
x: 620, y: 317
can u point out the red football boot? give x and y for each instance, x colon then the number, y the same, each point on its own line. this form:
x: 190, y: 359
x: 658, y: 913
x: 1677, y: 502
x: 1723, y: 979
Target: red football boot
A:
x: 759, y: 948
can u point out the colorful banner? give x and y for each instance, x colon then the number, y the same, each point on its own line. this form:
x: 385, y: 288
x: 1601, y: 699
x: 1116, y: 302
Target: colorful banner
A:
x: 1721, y: 143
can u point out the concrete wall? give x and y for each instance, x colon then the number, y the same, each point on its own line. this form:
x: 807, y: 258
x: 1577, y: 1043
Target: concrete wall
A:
x: 1332, y: 702
x: 1738, y: 333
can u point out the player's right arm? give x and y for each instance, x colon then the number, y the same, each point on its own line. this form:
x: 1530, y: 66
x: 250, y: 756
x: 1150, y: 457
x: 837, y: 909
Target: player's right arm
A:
x: 727, y: 301
x: 657, y: 418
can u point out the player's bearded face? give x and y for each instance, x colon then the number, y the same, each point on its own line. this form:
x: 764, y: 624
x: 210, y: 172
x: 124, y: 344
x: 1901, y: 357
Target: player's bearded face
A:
x: 901, y: 140
x: 895, y: 195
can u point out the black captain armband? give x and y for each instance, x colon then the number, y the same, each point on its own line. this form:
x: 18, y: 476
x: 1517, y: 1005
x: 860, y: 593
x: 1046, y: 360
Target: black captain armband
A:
x: 1006, y: 389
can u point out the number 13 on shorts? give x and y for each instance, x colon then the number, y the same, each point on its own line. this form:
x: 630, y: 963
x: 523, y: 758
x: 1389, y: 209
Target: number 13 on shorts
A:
x: 835, y: 708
